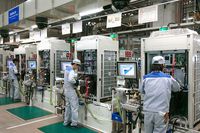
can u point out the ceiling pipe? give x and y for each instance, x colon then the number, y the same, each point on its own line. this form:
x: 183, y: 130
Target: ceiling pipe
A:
x: 75, y: 16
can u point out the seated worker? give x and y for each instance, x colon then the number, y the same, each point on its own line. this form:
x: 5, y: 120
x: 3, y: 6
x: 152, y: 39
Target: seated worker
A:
x: 157, y: 87
x: 13, y: 77
x: 71, y: 98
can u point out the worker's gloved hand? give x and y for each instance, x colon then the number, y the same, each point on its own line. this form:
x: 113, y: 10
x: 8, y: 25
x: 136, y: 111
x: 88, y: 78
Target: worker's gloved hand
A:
x: 77, y: 83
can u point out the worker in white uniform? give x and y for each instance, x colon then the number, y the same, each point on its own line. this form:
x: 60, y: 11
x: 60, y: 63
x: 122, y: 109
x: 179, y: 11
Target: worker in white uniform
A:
x: 157, y: 87
x: 71, y: 98
x: 13, y: 76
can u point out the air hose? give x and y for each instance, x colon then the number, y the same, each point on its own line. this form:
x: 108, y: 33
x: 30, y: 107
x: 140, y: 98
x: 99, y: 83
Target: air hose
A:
x: 119, y: 107
x: 80, y: 96
x: 173, y: 66
x: 93, y: 116
x: 20, y: 88
x: 51, y: 95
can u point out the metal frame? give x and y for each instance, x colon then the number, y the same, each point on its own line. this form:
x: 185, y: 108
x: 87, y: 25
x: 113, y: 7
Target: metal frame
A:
x: 3, y: 64
x: 27, y: 50
x: 52, y: 44
x: 102, y: 44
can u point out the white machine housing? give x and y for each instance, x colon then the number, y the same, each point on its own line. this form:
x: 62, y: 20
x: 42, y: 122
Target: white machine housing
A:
x: 24, y: 52
x: 25, y: 49
x: 107, y: 57
x: 106, y: 52
x: 4, y: 55
x: 174, y: 40
x: 54, y: 45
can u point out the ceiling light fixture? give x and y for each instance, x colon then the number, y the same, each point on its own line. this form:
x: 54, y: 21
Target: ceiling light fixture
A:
x: 11, y: 32
x: 93, y: 11
x: 34, y: 26
x: 29, y: 0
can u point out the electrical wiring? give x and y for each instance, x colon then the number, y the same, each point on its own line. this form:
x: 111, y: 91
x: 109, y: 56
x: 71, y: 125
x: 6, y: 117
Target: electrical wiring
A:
x: 178, y: 120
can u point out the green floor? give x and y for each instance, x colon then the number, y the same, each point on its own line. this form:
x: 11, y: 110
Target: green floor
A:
x: 27, y: 112
x: 7, y: 100
x: 58, y: 127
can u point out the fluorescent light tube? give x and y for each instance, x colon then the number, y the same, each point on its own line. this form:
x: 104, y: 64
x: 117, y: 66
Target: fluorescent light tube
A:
x: 93, y: 11
x: 11, y: 32
x: 34, y: 26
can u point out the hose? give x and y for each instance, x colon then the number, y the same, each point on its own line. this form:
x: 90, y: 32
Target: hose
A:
x: 20, y: 87
x: 93, y: 116
x: 173, y: 66
x: 87, y: 87
x: 80, y: 96
x: 51, y: 95
x: 174, y: 120
x: 119, y: 107
x: 2, y: 87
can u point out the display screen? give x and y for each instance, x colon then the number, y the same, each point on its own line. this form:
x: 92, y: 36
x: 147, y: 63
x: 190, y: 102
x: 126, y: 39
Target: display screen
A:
x: 65, y: 66
x: 127, y: 69
x: 9, y: 62
x: 31, y: 64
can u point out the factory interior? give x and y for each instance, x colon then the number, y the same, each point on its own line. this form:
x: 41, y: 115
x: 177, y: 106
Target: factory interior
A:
x: 99, y: 66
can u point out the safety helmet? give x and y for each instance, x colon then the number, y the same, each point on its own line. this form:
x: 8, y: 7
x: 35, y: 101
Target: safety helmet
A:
x: 77, y: 61
x: 158, y: 60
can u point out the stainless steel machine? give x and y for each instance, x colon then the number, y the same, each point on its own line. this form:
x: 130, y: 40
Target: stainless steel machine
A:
x: 181, y: 50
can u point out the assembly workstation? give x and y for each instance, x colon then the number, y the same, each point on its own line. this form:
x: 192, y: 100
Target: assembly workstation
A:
x: 99, y: 66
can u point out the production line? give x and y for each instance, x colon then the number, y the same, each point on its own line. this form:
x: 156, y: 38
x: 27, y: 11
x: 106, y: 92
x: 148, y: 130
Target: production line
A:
x: 100, y: 66
x: 108, y: 89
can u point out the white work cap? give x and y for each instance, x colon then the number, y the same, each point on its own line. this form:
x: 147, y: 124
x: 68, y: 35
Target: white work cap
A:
x: 77, y: 61
x: 158, y: 60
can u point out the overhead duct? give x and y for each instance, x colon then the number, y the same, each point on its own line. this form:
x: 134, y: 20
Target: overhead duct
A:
x: 120, y: 4
x: 41, y: 22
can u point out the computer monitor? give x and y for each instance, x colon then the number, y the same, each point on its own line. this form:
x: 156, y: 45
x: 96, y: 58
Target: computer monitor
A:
x: 65, y: 65
x: 9, y: 63
x: 31, y: 64
x: 127, y: 69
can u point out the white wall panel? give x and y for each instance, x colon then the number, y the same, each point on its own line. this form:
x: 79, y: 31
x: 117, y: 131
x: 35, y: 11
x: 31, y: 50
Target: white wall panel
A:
x: 166, y: 15
x: 43, y: 5
x: 61, y: 2
x: 29, y: 8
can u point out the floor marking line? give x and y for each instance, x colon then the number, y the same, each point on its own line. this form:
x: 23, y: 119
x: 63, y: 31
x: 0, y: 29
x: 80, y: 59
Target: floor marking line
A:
x: 28, y: 123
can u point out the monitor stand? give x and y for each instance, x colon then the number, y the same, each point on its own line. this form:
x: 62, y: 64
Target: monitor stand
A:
x: 121, y: 81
